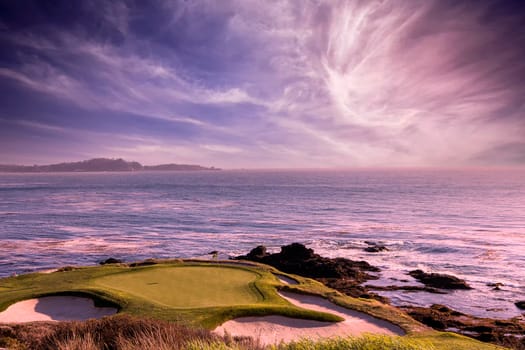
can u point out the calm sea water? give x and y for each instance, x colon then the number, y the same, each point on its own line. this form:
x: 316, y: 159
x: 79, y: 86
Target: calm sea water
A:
x: 467, y: 223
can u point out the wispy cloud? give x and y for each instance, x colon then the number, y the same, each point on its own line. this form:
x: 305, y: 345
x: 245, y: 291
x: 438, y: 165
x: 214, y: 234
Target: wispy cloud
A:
x: 313, y: 83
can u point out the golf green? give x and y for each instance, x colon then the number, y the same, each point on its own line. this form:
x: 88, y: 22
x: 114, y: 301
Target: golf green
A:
x: 187, y: 286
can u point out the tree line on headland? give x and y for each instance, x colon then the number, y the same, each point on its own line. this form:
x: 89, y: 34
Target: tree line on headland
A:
x: 100, y: 164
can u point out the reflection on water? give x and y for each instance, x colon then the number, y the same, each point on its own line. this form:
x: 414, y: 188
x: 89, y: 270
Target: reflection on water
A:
x: 470, y: 224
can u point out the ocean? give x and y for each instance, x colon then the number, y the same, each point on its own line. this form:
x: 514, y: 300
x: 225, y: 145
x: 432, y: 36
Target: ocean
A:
x: 469, y: 223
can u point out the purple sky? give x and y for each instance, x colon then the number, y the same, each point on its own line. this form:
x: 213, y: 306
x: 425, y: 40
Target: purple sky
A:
x: 258, y: 84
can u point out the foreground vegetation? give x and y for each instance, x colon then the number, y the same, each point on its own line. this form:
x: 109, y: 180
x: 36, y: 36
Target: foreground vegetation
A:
x: 131, y: 333
x: 165, y: 305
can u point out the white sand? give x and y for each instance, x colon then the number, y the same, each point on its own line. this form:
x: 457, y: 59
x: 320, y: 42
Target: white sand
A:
x: 274, y: 329
x: 54, y: 308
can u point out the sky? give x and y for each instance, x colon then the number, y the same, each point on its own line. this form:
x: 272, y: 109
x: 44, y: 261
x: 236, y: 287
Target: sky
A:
x: 264, y: 84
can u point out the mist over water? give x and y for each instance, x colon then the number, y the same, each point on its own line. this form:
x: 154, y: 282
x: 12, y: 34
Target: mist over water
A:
x: 467, y: 223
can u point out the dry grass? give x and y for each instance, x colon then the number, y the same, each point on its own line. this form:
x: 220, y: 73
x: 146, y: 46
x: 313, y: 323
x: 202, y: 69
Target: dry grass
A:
x: 130, y: 333
x: 111, y: 333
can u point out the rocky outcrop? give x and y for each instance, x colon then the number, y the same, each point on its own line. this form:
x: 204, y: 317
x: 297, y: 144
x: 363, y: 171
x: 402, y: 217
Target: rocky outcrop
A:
x: 110, y: 261
x: 438, y: 280
x: 342, y: 274
x: 495, y: 285
x: 503, y: 332
x: 374, y: 247
x: 296, y: 258
x: 407, y: 288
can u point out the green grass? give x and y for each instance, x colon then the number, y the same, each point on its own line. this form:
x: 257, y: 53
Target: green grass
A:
x: 198, y: 294
x: 178, y: 287
x: 452, y: 341
x: 201, y: 294
x: 367, y: 342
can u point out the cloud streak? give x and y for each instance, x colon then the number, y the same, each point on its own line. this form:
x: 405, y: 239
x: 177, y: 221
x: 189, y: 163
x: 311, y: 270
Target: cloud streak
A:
x: 268, y: 84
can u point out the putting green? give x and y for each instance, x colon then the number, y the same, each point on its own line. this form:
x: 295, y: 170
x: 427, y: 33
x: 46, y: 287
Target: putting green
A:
x: 187, y: 286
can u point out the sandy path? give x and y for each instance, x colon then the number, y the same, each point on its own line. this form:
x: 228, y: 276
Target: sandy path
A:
x: 55, y: 308
x: 274, y: 329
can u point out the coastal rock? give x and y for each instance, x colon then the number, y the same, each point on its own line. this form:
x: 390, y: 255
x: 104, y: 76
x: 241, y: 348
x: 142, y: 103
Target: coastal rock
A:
x: 110, y: 261
x: 407, y: 288
x: 495, y: 286
x: 376, y: 249
x: 258, y: 252
x: 341, y: 274
x: 502, y: 332
x: 296, y: 258
x: 520, y: 304
x: 438, y: 280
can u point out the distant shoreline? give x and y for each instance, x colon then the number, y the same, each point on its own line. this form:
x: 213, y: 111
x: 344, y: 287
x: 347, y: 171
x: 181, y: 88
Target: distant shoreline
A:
x: 100, y: 165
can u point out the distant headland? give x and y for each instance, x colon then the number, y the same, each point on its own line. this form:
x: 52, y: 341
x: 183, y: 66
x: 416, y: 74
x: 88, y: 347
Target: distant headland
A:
x: 100, y: 164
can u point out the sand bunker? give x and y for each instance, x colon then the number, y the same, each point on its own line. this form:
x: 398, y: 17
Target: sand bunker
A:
x: 54, y: 308
x: 274, y: 329
x: 286, y: 280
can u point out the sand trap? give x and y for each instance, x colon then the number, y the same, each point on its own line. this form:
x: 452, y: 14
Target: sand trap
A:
x: 54, y: 308
x: 285, y: 279
x: 274, y: 329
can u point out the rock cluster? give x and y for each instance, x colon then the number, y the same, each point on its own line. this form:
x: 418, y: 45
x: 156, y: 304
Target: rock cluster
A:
x: 374, y: 247
x: 504, y: 332
x: 110, y: 261
x: 438, y: 280
x: 342, y: 274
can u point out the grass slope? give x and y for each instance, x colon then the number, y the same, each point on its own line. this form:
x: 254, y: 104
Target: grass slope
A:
x: 206, y: 294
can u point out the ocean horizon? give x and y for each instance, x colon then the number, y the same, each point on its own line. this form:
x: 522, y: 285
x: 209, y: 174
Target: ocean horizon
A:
x: 468, y: 223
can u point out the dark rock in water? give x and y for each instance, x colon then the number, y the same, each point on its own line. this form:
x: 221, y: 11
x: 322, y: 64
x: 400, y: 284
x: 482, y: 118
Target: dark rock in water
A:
x: 520, y: 304
x: 502, y: 332
x: 258, y: 252
x: 296, y: 258
x: 341, y: 274
x: 438, y: 280
x: 479, y: 329
x: 110, y: 261
x: 495, y: 286
x: 434, y: 323
x: 297, y: 251
x: 407, y: 288
x: 376, y: 249
x: 352, y: 288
